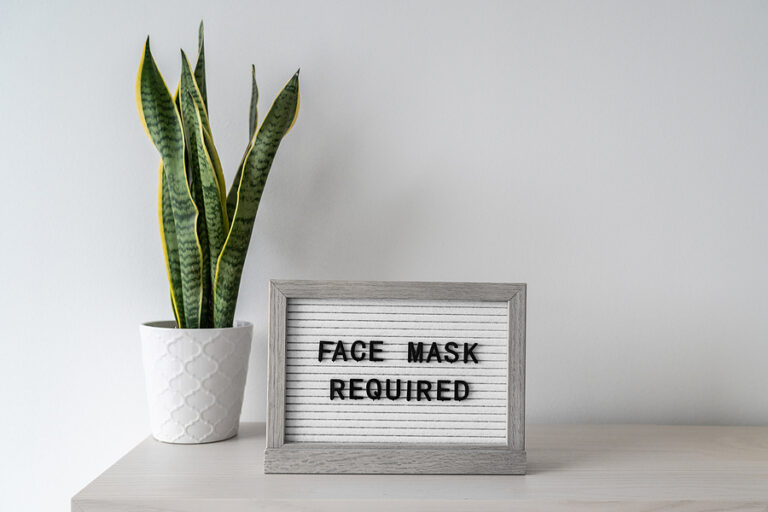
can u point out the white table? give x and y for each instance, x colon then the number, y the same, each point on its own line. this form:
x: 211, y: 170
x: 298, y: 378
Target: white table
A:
x: 570, y: 467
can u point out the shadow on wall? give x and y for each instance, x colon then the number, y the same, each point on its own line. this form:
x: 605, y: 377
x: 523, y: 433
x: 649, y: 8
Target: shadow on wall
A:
x: 336, y: 225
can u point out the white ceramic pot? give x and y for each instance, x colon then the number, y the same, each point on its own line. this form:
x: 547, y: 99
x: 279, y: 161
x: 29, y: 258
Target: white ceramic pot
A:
x: 195, y: 380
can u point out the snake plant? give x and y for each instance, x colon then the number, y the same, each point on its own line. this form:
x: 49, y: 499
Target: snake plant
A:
x: 206, y: 230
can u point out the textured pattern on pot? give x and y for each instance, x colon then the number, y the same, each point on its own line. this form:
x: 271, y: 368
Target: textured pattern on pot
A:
x: 195, y: 380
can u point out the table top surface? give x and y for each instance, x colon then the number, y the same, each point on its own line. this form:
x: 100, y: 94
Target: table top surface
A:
x: 570, y: 467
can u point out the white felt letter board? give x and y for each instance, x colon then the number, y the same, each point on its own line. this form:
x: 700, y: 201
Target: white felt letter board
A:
x: 371, y: 377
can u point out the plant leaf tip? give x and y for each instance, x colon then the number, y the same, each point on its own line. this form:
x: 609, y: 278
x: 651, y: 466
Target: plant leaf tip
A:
x: 185, y: 64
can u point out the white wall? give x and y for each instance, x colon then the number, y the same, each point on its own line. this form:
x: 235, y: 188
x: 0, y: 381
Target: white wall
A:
x: 610, y: 154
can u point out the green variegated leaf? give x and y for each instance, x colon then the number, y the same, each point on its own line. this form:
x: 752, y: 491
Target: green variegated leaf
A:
x: 253, y: 178
x: 232, y: 196
x: 203, y: 88
x: 206, y: 304
x: 200, y: 66
x: 204, y: 170
x: 212, y: 224
x: 253, y: 124
x: 163, y: 125
x: 168, y: 238
x: 170, y: 248
x: 211, y: 148
x: 191, y: 93
x: 253, y: 117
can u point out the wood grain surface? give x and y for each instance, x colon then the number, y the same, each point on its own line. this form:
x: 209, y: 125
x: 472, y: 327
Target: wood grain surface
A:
x: 638, y: 468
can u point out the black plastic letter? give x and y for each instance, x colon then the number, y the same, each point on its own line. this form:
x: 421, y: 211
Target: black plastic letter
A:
x: 468, y: 352
x: 456, y: 395
x: 423, y: 387
x: 375, y: 349
x: 373, y: 389
x: 321, y: 350
x: 415, y: 352
x: 442, y: 390
x: 337, y: 386
x: 452, y: 356
x: 354, y: 387
x: 353, y: 350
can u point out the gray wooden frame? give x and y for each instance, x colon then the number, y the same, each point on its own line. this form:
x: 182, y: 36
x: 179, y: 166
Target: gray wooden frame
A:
x: 403, y: 458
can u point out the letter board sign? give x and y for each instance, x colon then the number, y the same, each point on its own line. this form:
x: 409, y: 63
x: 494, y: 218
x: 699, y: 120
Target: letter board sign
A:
x: 396, y: 377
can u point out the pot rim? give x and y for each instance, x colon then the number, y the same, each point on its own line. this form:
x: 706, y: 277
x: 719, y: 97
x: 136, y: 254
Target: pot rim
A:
x: 170, y: 325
